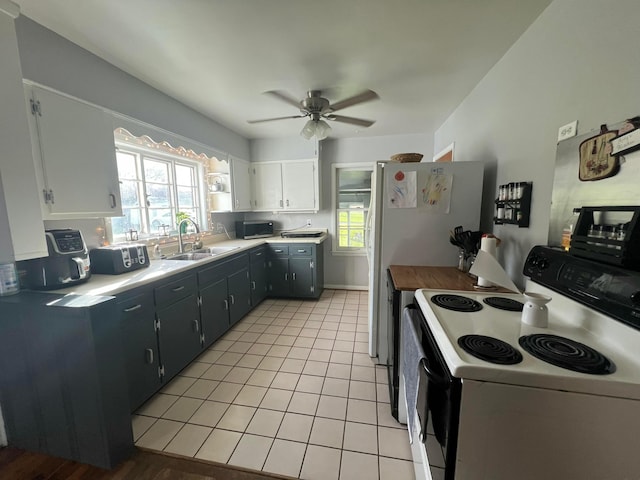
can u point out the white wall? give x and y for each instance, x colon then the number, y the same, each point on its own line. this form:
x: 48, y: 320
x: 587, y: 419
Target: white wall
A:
x: 579, y: 60
x: 340, y: 271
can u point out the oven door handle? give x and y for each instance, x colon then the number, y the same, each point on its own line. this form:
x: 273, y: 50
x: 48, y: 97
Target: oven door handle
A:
x: 435, y: 379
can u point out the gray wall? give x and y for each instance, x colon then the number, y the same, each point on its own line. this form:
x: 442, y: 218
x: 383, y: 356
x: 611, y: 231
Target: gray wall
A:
x: 51, y: 60
x: 340, y: 270
x: 579, y: 60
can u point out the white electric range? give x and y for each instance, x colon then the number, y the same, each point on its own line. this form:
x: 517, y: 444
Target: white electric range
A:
x: 525, y: 417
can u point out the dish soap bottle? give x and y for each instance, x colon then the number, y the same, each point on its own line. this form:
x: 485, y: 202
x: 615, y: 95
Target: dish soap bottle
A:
x: 568, y: 228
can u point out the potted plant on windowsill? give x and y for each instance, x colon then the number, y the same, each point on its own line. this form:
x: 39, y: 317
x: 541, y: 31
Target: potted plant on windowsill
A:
x: 179, y: 217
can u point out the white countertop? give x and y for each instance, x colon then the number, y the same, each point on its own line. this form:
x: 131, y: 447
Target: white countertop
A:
x: 114, y: 284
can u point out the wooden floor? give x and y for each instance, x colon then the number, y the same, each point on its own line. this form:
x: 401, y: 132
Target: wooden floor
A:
x: 144, y: 465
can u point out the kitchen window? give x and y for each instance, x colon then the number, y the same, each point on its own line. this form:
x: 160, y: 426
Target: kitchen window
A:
x: 351, y: 199
x: 154, y: 188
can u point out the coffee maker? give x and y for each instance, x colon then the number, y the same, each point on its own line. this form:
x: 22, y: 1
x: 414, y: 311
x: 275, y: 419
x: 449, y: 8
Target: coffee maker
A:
x: 67, y: 264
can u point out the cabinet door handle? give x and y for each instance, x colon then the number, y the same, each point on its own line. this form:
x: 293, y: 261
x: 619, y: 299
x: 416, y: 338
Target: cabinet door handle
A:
x: 149, y: 352
x: 177, y: 289
x: 226, y: 304
x: 287, y: 202
x: 112, y: 197
x: 233, y: 300
x: 293, y: 275
x: 281, y: 203
x: 253, y: 285
x: 196, y: 326
x: 132, y: 309
x: 286, y: 276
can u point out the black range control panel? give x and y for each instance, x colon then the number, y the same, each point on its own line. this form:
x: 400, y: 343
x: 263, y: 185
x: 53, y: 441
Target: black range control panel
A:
x: 611, y: 290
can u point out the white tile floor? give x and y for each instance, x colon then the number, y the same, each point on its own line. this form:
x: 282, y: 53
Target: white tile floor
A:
x: 291, y: 390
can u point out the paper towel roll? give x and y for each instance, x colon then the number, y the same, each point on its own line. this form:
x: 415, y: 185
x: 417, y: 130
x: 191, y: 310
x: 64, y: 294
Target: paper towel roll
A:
x: 487, y: 267
x: 488, y: 243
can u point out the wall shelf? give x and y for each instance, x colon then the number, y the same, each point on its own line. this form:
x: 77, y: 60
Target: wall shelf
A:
x: 511, y: 210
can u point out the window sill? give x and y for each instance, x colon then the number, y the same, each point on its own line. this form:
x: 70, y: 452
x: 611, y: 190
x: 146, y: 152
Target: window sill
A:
x: 347, y: 253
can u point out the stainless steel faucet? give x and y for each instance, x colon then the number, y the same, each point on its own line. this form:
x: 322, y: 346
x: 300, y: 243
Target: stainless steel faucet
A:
x: 180, y: 241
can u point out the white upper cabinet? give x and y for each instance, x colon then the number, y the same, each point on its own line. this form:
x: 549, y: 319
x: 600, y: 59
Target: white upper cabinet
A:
x: 267, y: 186
x: 300, y: 185
x: 286, y: 186
x: 74, y: 148
x: 21, y: 226
x: 241, y: 185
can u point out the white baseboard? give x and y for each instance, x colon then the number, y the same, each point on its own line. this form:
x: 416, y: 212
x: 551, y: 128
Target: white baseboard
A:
x: 346, y: 287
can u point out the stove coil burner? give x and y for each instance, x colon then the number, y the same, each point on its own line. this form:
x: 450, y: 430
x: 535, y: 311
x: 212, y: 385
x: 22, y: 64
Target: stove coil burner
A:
x: 457, y: 303
x: 490, y: 349
x: 503, y: 303
x: 566, y: 353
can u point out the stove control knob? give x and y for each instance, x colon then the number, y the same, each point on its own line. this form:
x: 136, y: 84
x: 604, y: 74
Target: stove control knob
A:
x: 533, y: 260
x: 635, y: 298
x: 543, y: 264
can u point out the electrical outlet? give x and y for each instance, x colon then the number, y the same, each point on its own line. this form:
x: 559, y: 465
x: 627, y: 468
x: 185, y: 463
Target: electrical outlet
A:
x: 567, y: 131
x: 308, y: 222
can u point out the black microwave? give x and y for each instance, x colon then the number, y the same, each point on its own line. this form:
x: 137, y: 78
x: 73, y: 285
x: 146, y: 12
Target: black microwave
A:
x: 254, y: 229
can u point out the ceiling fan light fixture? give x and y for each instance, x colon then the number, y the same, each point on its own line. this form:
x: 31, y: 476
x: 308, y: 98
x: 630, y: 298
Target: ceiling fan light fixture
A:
x: 323, y: 129
x: 308, y: 130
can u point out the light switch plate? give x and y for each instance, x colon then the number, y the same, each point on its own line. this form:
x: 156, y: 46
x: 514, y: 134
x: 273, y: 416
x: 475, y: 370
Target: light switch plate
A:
x: 567, y: 131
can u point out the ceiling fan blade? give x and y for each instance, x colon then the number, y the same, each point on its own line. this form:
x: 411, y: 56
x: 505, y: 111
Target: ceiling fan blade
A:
x: 284, y: 96
x: 353, y: 121
x: 275, y: 118
x: 365, y: 96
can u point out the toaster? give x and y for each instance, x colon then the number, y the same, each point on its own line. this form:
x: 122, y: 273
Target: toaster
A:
x: 117, y: 259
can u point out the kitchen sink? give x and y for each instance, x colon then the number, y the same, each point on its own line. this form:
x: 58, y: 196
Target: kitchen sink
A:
x: 190, y: 256
x: 201, y: 253
x: 216, y: 250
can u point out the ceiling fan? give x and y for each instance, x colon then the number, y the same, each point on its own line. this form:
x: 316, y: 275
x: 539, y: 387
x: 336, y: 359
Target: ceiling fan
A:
x: 319, y: 109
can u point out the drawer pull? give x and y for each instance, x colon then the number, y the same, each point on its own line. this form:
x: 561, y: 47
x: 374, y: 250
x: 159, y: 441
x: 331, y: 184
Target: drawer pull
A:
x: 301, y: 250
x: 177, y: 289
x: 196, y: 326
x: 149, y: 352
x: 258, y: 254
x: 278, y: 250
x: 132, y: 309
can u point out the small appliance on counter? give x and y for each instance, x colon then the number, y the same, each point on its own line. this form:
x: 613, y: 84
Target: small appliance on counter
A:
x: 302, y: 233
x: 254, y: 229
x: 117, y: 259
x: 67, y: 264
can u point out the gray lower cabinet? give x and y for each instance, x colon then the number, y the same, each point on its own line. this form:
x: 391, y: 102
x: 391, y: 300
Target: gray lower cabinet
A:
x: 239, y: 295
x: 225, y: 295
x: 63, y: 378
x: 296, y: 270
x: 214, y: 310
x: 178, y: 324
x: 140, y: 343
x: 259, y: 274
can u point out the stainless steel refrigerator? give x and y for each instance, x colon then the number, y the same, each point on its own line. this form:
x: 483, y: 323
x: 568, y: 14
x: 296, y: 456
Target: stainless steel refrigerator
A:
x: 413, y: 208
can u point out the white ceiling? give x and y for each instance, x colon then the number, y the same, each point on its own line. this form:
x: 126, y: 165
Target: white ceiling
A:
x: 422, y: 57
